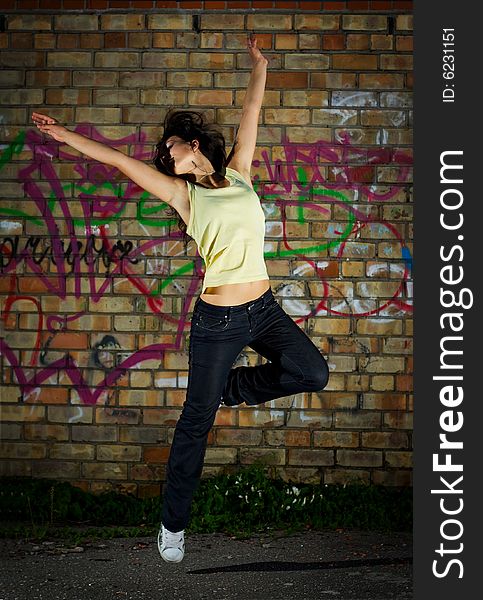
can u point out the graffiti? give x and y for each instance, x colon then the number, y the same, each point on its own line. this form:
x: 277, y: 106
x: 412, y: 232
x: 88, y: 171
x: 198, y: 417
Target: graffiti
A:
x: 309, y: 181
x: 9, y: 248
x: 304, y: 187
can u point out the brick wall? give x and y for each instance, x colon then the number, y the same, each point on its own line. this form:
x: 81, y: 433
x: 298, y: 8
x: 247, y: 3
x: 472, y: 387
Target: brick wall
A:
x: 94, y: 349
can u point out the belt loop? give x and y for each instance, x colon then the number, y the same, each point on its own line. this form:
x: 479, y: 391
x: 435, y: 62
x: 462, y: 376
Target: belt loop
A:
x: 228, y: 313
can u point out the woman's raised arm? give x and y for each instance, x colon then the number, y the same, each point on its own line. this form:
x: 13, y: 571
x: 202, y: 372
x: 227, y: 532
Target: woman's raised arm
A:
x: 246, y: 138
x: 162, y: 186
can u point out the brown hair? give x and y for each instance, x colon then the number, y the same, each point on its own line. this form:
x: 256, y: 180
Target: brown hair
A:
x: 190, y: 125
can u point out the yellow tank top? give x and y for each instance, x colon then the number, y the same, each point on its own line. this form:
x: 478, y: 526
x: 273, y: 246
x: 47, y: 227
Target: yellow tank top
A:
x: 228, y: 225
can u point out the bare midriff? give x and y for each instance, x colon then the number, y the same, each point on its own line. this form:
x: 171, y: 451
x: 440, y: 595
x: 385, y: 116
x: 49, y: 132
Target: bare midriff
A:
x: 232, y: 294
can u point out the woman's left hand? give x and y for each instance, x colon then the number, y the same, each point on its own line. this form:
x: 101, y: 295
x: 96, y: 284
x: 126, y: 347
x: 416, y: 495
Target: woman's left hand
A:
x: 255, y: 54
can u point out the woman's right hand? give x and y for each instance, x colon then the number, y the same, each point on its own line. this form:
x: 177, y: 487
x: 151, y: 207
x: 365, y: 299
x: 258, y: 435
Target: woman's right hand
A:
x: 47, y: 124
x: 254, y: 51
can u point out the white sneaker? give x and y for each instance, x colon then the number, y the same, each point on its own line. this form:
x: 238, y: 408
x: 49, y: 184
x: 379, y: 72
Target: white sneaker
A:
x: 171, y: 545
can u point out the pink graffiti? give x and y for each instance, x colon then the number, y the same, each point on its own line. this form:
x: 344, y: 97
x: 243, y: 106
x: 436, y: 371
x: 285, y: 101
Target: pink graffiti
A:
x: 282, y: 179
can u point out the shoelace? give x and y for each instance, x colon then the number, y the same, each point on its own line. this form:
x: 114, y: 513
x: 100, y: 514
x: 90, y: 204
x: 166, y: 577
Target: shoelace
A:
x: 173, y: 540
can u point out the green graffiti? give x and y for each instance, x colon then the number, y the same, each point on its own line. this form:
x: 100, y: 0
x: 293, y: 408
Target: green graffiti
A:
x: 142, y: 213
x: 165, y: 282
x: 302, y: 175
x: 6, y: 156
x: 14, y: 148
x: 117, y: 192
x: 319, y: 247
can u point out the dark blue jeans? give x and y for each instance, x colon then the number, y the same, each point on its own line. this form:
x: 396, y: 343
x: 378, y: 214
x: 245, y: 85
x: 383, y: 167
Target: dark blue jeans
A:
x: 218, y: 334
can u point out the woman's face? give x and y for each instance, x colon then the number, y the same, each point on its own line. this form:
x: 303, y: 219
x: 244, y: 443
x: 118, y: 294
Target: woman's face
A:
x: 182, y: 153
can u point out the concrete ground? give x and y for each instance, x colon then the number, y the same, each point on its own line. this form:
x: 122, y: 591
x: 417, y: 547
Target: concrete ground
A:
x: 342, y: 565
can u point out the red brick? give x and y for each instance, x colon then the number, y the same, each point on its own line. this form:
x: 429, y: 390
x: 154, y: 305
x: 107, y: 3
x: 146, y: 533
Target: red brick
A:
x: 287, y: 80
x: 404, y: 43
x: 336, y: 5
x: 156, y: 454
x: 115, y: 40
x: 404, y: 383
x: 310, y: 5
x: 73, y: 4
x: 356, y: 62
x: 334, y: 41
x: 380, y: 5
x: 49, y: 395
x: 22, y: 40
x: 26, y: 4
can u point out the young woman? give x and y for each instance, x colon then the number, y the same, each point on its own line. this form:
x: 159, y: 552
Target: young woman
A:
x: 219, y: 209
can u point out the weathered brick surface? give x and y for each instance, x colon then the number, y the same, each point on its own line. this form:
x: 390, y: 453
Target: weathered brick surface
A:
x: 359, y: 458
x: 80, y: 22
x: 366, y: 22
x: 102, y: 470
x: 29, y: 22
x: 222, y: 22
x: 268, y: 456
x: 358, y: 41
x: 72, y: 451
x: 22, y: 450
x: 343, y: 476
x: 334, y: 176
x: 335, y: 439
x: 316, y: 22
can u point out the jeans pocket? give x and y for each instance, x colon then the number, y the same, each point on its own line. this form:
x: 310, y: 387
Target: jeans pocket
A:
x: 212, y: 323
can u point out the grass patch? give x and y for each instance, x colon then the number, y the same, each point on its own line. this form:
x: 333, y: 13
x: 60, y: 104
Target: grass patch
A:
x: 239, y: 504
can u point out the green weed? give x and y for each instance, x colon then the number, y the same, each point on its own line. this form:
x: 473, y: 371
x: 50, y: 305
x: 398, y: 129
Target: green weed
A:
x: 240, y: 504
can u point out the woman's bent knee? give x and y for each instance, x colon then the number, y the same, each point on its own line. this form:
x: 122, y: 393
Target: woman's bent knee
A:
x: 317, y: 376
